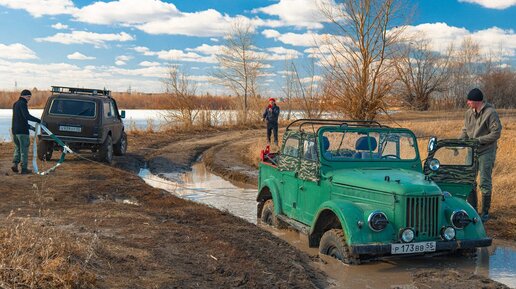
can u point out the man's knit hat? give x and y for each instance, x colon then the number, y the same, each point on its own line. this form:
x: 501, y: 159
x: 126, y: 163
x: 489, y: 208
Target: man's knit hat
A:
x: 25, y: 92
x: 476, y: 95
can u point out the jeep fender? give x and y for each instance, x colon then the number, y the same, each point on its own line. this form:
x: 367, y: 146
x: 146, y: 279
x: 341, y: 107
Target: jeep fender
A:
x: 473, y: 230
x: 347, y: 213
x: 269, y: 189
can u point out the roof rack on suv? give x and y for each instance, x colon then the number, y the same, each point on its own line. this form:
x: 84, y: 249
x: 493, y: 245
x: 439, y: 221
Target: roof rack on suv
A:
x: 339, y: 122
x: 85, y: 91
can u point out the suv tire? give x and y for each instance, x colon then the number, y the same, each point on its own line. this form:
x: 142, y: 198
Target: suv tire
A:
x: 106, y: 150
x: 121, y: 146
x: 268, y: 216
x: 45, y: 150
x: 333, y: 244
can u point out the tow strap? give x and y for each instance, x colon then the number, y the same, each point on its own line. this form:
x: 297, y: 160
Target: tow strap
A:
x: 66, y: 150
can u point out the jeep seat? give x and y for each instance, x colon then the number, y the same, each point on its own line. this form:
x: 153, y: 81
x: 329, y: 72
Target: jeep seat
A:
x: 364, y: 146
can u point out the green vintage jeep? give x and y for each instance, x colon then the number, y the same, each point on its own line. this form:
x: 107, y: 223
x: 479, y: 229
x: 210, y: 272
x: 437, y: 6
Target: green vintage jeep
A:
x: 360, y: 191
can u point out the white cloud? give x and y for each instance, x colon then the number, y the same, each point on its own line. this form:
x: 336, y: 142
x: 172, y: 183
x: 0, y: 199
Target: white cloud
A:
x: 203, y: 23
x: 176, y: 55
x: 149, y: 63
x: 79, y: 56
x: 85, y: 37
x: 38, y: 8
x: 491, y: 40
x: 59, y: 26
x: 298, y: 13
x: 122, y: 59
x: 42, y: 75
x: 306, y: 39
x: 493, y: 4
x: 16, y: 51
x: 126, y: 12
x: 207, y: 49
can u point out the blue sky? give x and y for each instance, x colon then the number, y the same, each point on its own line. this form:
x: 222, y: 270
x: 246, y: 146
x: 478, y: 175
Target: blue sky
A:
x: 117, y: 44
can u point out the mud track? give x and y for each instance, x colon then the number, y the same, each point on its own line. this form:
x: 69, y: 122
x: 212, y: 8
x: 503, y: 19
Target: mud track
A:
x: 148, y: 238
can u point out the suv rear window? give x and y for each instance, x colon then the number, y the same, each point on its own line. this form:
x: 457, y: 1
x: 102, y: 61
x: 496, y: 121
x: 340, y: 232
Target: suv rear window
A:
x: 73, y: 107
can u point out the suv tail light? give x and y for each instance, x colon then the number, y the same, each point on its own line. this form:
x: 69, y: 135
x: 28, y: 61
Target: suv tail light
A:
x: 96, y: 130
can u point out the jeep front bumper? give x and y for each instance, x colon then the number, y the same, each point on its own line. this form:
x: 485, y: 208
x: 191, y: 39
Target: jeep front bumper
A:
x: 385, y: 249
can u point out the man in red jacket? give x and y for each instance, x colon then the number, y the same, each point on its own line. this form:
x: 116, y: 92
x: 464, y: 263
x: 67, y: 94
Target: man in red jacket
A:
x: 20, y: 132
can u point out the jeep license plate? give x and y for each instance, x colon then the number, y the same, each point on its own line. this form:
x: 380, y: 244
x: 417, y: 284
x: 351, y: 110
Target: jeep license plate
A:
x: 70, y: 128
x: 412, y: 248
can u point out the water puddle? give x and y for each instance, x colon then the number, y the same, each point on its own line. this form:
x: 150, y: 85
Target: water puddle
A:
x: 497, y: 262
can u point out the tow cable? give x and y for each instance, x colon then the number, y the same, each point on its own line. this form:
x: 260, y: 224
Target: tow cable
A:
x: 66, y: 150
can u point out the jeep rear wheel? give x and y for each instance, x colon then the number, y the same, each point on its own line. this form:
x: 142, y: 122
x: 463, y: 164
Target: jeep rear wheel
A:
x: 268, y: 216
x: 106, y: 150
x: 45, y: 150
x: 333, y: 244
x: 121, y: 146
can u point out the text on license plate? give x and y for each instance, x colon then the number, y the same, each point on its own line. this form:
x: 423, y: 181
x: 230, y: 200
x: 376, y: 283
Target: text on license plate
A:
x: 70, y: 128
x: 413, y: 248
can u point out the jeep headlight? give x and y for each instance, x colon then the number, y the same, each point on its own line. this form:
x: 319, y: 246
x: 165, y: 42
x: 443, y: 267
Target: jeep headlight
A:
x: 448, y: 233
x: 407, y: 235
x: 377, y: 221
x: 459, y: 219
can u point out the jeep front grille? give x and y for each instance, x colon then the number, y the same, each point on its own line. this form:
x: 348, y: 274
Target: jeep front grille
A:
x: 423, y: 215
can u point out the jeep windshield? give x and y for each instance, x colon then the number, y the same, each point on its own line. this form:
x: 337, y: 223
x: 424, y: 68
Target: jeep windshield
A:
x: 73, y: 107
x: 378, y: 145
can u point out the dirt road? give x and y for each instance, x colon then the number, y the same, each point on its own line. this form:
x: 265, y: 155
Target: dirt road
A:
x: 135, y: 236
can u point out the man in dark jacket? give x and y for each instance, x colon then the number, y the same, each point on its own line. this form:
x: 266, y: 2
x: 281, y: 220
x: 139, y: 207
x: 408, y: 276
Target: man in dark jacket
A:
x: 20, y: 132
x: 271, y: 115
x: 481, y: 122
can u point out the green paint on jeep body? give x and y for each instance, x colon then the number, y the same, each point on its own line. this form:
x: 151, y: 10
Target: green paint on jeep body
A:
x: 335, y: 176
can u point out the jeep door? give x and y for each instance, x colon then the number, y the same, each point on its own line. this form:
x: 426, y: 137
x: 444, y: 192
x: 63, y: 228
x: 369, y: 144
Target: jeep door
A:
x: 458, y: 167
x: 289, y: 169
x: 111, y: 120
x: 309, y: 192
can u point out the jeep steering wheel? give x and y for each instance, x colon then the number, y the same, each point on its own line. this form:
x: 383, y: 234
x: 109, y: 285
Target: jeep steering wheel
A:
x: 391, y: 157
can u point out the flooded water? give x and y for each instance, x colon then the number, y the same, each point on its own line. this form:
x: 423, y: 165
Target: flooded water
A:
x: 497, y: 262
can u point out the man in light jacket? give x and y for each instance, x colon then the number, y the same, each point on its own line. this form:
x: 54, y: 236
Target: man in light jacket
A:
x: 481, y: 122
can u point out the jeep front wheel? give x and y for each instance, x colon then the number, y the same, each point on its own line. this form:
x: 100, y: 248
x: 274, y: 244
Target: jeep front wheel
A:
x: 106, y: 150
x: 268, y: 216
x: 121, y: 146
x: 333, y: 244
x: 45, y: 150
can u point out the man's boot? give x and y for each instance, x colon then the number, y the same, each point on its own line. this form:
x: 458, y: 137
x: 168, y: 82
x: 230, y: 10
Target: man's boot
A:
x: 486, y: 204
x: 26, y: 171
x: 14, y: 168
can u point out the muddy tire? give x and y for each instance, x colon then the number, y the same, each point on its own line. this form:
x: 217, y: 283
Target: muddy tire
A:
x: 333, y: 244
x: 268, y: 216
x: 120, y: 147
x: 106, y: 151
x: 45, y: 150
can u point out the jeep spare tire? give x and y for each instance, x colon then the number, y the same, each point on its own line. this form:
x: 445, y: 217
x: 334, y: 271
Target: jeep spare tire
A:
x: 106, y: 150
x: 121, y: 146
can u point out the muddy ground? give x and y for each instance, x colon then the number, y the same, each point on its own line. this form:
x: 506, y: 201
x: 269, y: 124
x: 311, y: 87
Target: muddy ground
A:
x: 143, y: 237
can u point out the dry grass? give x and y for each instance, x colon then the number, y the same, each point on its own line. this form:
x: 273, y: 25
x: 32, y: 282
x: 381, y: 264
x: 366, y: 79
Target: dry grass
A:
x: 34, y: 255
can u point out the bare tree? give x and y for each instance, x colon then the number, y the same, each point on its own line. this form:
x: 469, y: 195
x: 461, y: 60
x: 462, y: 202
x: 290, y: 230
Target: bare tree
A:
x: 421, y: 72
x: 289, y: 85
x: 181, y: 91
x: 308, y: 90
x: 499, y: 86
x: 358, y: 71
x: 465, y: 71
x: 239, y: 64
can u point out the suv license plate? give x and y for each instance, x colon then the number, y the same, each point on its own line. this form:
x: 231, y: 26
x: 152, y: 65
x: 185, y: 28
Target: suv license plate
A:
x: 70, y: 128
x: 412, y: 248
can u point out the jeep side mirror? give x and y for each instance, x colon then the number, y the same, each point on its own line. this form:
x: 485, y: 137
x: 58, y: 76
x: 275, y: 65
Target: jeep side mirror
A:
x: 431, y: 143
x: 434, y: 164
x: 122, y: 114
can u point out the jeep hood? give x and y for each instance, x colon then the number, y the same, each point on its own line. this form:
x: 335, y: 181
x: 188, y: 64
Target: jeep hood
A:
x: 398, y: 181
